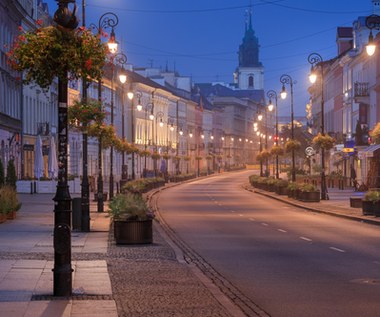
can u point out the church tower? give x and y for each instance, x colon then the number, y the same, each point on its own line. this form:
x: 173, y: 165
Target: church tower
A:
x: 250, y: 72
x: 376, y: 7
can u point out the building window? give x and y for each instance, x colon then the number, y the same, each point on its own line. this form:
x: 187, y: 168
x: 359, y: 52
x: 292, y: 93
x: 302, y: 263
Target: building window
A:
x: 250, y: 81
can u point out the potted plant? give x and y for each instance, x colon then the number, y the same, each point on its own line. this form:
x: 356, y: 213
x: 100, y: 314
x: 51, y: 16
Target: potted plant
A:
x: 309, y: 193
x: 371, y: 203
x: 281, y: 187
x: 132, y: 219
x: 292, y: 189
x: 9, y: 203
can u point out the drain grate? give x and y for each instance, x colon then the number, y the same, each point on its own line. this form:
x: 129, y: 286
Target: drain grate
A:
x: 47, y: 297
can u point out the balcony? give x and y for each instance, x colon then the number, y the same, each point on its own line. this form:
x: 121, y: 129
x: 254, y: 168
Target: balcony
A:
x: 361, y: 92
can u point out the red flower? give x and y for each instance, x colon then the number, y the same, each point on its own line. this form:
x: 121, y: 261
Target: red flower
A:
x: 39, y: 22
x: 88, y: 64
x: 20, y: 28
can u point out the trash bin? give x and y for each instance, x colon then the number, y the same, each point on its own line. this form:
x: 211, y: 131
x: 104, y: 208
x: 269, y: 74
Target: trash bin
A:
x: 77, y: 213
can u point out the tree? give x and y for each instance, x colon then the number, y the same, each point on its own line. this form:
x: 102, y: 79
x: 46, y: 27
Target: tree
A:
x: 11, y: 174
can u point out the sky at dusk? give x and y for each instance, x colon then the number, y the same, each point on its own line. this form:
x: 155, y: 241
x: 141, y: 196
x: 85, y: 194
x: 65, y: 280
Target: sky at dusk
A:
x: 200, y: 38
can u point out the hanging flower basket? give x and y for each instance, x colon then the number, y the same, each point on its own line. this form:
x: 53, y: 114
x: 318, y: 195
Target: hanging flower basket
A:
x: 292, y: 145
x: 323, y: 141
x: 198, y: 158
x: 177, y: 158
x: 209, y: 157
x: 49, y: 52
x: 82, y: 114
x: 375, y: 134
x: 265, y: 154
x: 122, y: 146
x: 166, y: 156
x: 156, y: 156
x: 104, y: 133
x: 277, y: 150
x: 259, y: 158
x: 187, y: 158
x: 145, y: 153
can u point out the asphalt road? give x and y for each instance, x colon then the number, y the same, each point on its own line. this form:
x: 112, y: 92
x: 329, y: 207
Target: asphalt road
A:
x: 288, y: 261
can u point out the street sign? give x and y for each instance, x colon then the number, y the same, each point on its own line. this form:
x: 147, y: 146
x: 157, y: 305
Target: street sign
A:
x: 309, y: 151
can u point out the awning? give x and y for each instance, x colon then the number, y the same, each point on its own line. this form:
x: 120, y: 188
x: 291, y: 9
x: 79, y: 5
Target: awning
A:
x: 372, y: 150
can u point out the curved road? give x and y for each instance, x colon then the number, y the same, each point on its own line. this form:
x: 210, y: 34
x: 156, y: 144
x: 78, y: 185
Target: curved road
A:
x: 288, y: 261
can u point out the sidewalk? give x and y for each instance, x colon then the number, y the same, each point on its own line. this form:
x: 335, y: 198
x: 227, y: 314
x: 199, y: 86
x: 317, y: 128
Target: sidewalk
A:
x: 26, y: 261
x: 338, y: 205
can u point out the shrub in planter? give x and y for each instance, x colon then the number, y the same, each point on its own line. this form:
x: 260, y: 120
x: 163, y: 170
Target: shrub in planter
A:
x: 9, y: 203
x: 271, y: 184
x: 371, y: 203
x: 281, y: 187
x: 132, y: 219
x: 309, y: 193
x: 253, y: 179
x: 292, y: 188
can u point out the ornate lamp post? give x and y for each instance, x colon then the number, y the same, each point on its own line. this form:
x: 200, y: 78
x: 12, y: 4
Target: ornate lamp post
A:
x: 272, y: 94
x: 286, y: 79
x: 316, y: 60
x: 121, y: 58
x: 62, y: 271
x: 107, y: 20
x: 131, y: 97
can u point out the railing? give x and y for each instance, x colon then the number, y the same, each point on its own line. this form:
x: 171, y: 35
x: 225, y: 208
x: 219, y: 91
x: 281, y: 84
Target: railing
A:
x: 361, y: 89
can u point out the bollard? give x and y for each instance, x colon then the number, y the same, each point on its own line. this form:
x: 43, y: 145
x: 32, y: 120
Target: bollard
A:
x: 76, y: 213
x: 35, y: 187
x: 31, y: 188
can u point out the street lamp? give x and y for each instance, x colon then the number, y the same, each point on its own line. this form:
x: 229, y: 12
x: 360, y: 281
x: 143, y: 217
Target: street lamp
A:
x: 121, y: 58
x: 372, y: 22
x: 316, y: 60
x: 62, y: 271
x: 286, y: 79
x: 159, y: 115
x: 273, y: 95
x: 133, y: 137
x: 107, y: 20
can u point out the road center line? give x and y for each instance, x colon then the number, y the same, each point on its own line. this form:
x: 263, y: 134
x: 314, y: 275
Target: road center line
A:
x: 251, y: 219
x: 336, y: 249
x: 240, y: 215
x: 306, y: 239
x: 264, y: 224
x: 282, y: 230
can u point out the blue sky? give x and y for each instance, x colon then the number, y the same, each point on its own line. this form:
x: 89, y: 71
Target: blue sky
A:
x: 201, y: 38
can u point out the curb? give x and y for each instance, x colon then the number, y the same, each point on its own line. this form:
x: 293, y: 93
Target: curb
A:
x: 313, y: 209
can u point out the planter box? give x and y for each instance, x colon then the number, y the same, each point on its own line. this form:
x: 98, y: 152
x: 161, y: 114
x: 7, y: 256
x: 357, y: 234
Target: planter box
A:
x: 133, y: 231
x: 11, y: 215
x: 281, y: 190
x: 314, y: 197
x: 356, y: 202
x: 368, y: 208
x: 3, y: 217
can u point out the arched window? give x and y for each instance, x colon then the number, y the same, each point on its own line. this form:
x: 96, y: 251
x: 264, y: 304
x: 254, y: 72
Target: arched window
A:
x: 250, y: 81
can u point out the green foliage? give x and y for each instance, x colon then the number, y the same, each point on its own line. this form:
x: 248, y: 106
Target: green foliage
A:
x: 11, y: 174
x: 375, y: 134
x: 8, y: 200
x: 372, y: 195
x: 129, y: 207
x: 49, y: 52
x: 293, y: 186
x: 307, y: 188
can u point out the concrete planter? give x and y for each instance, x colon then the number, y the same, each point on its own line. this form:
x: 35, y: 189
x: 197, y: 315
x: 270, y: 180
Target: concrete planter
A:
x: 133, y: 231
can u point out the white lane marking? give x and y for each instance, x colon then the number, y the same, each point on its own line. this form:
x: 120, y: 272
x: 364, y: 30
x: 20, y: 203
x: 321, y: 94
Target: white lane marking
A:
x: 282, y: 230
x: 251, y: 219
x: 264, y: 224
x: 376, y: 262
x: 337, y: 249
x: 306, y: 239
x: 240, y: 215
x: 232, y: 210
